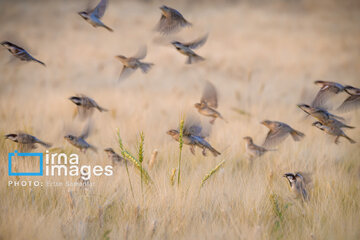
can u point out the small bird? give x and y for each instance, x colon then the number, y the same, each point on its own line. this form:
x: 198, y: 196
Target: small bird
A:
x: 327, y: 90
x: 185, y: 49
x: 194, y: 136
x: 26, y: 141
x: 333, y: 130
x: 353, y: 101
x: 298, y: 184
x: 279, y: 132
x: 171, y: 21
x: 324, y: 116
x: 113, y: 156
x: 254, y: 150
x: 208, y: 103
x: 20, y: 53
x: 93, y: 16
x: 133, y: 63
x: 85, y: 105
x: 79, y: 142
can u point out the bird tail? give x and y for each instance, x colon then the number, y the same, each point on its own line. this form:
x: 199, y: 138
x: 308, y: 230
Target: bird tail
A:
x: 347, y: 126
x: 101, y: 109
x: 145, y: 67
x: 194, y: 58
x: 93, y: 148
x: 214, y: 151
x: 39, y: 62
x: 108, y: 28
x: 350, y: 140
x: 296, y: 135
x: 47, y: 145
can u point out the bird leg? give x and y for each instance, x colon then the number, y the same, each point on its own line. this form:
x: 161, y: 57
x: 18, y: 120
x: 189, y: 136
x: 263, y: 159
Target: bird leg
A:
x: 192, y: 149
x: 212, y: 120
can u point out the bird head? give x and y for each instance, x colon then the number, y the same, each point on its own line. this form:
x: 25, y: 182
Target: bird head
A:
x: 290, y: 177
x: 75, y: 100
x: 319, y: 82
x: 176, y: 44
x: 266, y: 123
x: 84, y: 15
x: 173, y: 132
x: 304, y: 107
x: 351, y: 90
x: 318, y: 125
x: 109, y: 150
x: 165, y: 10
x: 6, y: 44
x: 69, y: 137
x: 198, y: 105
x: 122, y: 58
x: 248, y: 139
x: 11, y: 136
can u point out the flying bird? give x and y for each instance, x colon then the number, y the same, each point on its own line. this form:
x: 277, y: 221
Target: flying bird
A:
x: 299, y: 183
x: 20, y: 53
x: 327, y: 91
x: 93, y: 16
x: 85, y: 105
x: 333, y: 130
x: 133, y: 63
x: 254, y: 150
x: 171, y: 21
x: 186, y: 49
x: 208, y: 103
x: 79, y: 141
x: 194, y: 136
x: 26, y: 141
x: 279, y: 131
x: 113, y: 156
x: 353, y: 101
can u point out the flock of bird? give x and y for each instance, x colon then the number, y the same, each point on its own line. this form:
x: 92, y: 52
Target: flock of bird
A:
x: 193, y: 133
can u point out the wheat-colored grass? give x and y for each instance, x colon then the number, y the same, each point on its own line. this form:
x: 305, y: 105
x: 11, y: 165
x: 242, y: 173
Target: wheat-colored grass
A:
x: 263, y: 57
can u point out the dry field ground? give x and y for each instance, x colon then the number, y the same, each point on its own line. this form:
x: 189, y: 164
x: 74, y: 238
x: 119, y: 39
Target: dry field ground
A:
x: 262, y: 56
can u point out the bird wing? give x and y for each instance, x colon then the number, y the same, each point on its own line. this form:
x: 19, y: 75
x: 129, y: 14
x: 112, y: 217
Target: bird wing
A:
x: 304, y: 177
x: 192, y: 126
x: 125, y: 73
x: 172, y: 23
x: 99, y: 10
x: 351, y: 103
x: 210, y: 95
x: 86, y: 131
x: 141, y: 54
x: 323, y: 96
x: 274, y: 137
x: 197, y: 43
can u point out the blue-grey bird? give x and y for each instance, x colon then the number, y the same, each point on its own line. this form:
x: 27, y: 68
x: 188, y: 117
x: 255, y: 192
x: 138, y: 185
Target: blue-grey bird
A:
x: 334, y: 130
x: 20, y: 53
x: 352, y: 102
x: 79, y: 141
x: 26, y: 141
x: 186, y: 49
x: 93, y: 16
x: 85, y: 105
x: 298, y: 184
x: 171, y: 21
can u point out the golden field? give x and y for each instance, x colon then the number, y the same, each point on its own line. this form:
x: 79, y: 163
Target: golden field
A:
x: 262, y: 56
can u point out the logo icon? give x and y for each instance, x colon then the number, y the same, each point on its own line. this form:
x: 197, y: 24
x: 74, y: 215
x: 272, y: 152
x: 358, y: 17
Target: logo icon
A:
x: 11, y: 155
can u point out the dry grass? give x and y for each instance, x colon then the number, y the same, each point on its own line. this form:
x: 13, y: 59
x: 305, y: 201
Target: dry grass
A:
x: 262, y: 57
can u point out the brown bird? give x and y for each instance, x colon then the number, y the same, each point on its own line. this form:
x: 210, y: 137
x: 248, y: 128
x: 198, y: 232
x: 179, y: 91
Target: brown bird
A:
x: 26, y: 141
x: 298, y: 184
x: 186, y: 49
x: 324, y: 116
x: 79, y: 141
x: 114, y: 157
x: 208, y: 103
x: 85, y: 105
x: 327, y: 90
x: 353, y: 101
x: 171, y: 21
x: 333, y: 130
x: 194, y: 136
x: 20, y: 53
x: 133, y: 63
x: 254, y: 150
x: 279, y: 131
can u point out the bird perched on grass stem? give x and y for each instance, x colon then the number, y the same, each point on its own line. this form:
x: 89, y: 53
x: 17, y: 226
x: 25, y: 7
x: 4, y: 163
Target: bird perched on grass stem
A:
x: 79, y: 141
x: 85, y: 105
x: 194, y: 136
x: 171, y: 21
x: 133, y: 63
x: 353, y: 101
x: 334, y: 130
x: 186, y: 49
x: 279, y: 132
x: 93, y: 16
x: 298, y: 184
x: 26, y: 141
x: 209, y: 102
x: 20, y: 53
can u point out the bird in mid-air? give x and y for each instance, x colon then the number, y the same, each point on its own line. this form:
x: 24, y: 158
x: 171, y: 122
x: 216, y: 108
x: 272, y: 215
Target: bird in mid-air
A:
x: 353, y: 101
x: 85, y: 105
x: 93, y: 16
x: 186, y: 49
x: 113, y: 156
x: 327, y: 90
x: 299, y: 183
x: 171, y: 21
x: 20, y: 53
x: 279, y: 131
x: 209, y: 102
x: 254, y: 150
x: 194, y: 136
x: 26, y: 141
x: 133, y: 63
x: 334, y: 130
x: 79, y: 141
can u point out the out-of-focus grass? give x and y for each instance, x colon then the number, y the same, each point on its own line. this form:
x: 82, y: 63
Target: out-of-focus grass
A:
x: 262, y: 57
